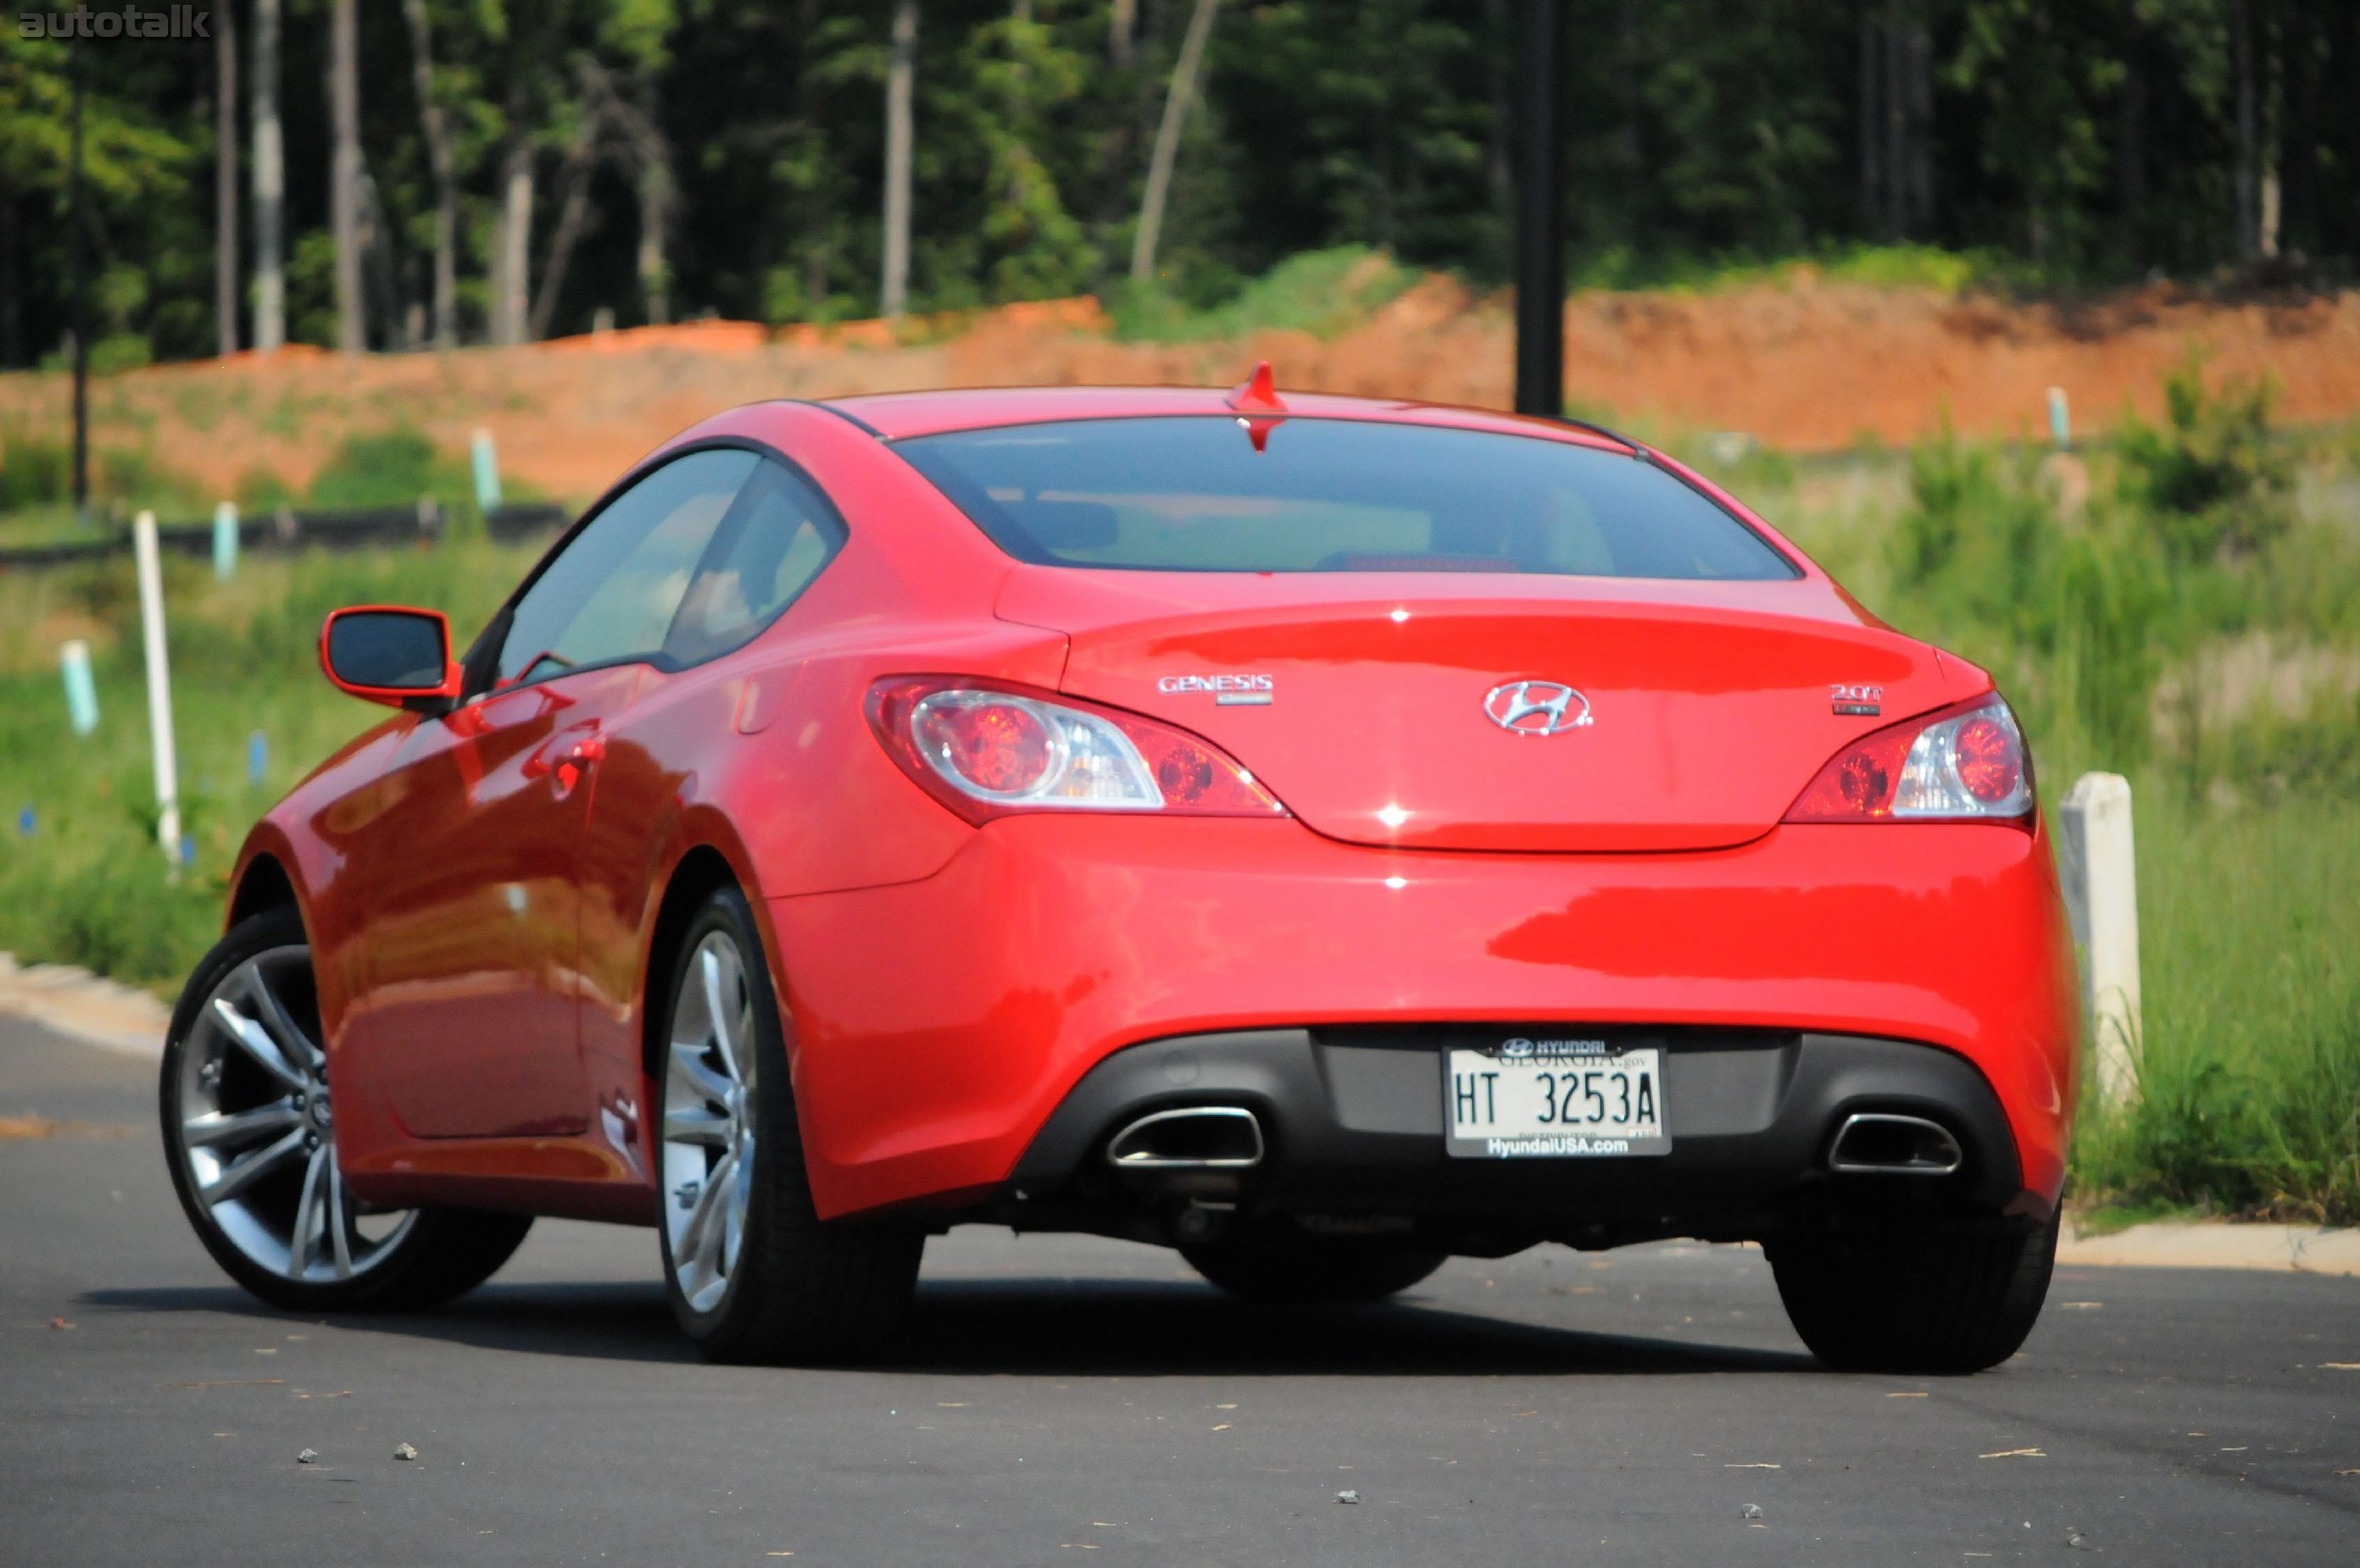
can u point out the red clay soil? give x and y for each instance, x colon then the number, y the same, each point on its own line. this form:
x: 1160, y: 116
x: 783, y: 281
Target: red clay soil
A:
x: 1802, y: 364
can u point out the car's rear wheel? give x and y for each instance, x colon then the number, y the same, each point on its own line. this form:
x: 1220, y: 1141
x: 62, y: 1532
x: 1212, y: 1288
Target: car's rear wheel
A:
x: 1281, y: 1262
x: 754, y: 1274
x: 1952, y: 1297
x: 250, y: 1133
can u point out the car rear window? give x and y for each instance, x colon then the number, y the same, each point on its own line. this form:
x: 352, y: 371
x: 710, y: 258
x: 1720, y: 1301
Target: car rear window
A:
x: 1193, y: 493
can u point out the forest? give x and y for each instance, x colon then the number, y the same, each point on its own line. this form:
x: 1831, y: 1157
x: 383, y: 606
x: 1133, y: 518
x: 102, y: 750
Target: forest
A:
x: 404, y: 174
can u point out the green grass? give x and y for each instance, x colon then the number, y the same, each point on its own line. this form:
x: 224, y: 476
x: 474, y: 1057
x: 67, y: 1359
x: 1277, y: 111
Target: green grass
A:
x: 1322, y: 292
x: 1890, y: 266
x: 2249, y: 937
x: 90, y: 885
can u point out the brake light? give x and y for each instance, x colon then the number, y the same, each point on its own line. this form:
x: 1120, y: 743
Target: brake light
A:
x: 985, y: 749
x: 1963, y: 764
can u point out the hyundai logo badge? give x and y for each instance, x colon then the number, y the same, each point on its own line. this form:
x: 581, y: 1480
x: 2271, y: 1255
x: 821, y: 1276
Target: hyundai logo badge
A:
x: 1537, y: 707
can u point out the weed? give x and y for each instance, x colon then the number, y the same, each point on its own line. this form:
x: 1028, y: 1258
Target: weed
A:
x: 1322, y: 292
x: 386, y: 468
x: 2210, y: 480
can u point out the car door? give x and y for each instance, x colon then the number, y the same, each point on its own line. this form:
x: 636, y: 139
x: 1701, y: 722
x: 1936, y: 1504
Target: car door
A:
x: 465, y: 1020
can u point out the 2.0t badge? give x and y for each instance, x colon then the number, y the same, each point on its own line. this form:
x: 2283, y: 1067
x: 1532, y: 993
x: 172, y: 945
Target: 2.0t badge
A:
x: 1537, y: 707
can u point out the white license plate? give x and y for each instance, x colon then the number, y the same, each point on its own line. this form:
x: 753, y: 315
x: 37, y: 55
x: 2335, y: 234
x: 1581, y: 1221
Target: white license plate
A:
x: 1553, y: 1099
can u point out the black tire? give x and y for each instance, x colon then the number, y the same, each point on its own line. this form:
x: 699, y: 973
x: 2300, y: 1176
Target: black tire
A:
x: 1952, y: 1297
x: 799, y: 1289
x: 1280, y: 1262
x: 421, y: 1260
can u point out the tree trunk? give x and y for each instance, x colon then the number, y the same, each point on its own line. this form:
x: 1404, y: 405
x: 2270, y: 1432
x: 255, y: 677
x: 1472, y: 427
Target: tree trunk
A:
x: 225, y: 180
x: 343, y: 200
x: 656, y: 196
x: 1122, y: 28
x: 1872, y: 163
x: 1184, y: 77
x: 2301, y: 131
x: 1499, y: 169
x: 11, y: 292
x: 894, y: 287
x: 435, y: 129
x: 2130, y: 152
x: 572, y: 218
x: 377, y: 255
x: 511, y: 243
x: 1919, y: 84
x: 270, y: 186
x: 2248, y: 171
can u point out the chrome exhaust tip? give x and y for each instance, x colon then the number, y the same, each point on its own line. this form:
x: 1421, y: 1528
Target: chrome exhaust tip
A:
x: 1883, y: 1143
x: 1196, y: 1138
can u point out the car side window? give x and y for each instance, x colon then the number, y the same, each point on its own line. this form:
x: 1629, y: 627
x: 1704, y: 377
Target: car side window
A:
x: 766, y: 552
x: 615, y: 591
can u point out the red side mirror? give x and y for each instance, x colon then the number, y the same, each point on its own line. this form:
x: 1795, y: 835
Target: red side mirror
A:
x: 386, y: 653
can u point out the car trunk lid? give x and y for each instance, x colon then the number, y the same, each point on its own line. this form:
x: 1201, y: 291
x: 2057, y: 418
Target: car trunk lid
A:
x: 1419, y: 710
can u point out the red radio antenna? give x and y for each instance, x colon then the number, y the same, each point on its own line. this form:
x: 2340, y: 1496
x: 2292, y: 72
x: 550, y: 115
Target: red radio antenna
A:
x: 1259, y: 406
x: 1258, y: 392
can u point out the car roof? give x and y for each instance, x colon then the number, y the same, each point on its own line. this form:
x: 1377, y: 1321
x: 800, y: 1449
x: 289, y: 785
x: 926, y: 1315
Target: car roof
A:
x: 896, y: 416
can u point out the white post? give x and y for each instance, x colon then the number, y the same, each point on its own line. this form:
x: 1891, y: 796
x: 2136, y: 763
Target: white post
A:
x: 159, y: 686
x: 2099, y: 868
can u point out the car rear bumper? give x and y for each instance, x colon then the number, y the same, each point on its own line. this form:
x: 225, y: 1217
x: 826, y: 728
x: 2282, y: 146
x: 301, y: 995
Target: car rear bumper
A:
x: 1352, y: 1128
x: 944, y: 1029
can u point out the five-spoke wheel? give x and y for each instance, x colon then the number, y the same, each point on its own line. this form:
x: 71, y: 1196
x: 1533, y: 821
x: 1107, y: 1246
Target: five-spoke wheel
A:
x: 754, y: 1274
x: 709, y: 1139
x: 256, y: 1136
x: 249, y: 1129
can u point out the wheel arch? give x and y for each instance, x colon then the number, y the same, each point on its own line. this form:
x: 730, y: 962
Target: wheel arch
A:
x: 262, y: 883
x: 696, y: 877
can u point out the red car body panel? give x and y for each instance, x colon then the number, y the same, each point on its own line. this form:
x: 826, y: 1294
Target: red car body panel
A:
x: 944, y: 985
x: 1194, y: 927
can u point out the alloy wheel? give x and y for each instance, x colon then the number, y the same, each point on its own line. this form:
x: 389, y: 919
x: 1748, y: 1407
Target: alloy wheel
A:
x: 709, y: 1122
x: 255, y: 1130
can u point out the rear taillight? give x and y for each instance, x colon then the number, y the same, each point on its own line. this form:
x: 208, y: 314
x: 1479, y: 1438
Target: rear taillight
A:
x: 1963, y: 764
x: 987, y: 750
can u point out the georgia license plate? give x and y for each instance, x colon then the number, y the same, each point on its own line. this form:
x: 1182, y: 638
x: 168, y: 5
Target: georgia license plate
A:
x: 1523, y: 1099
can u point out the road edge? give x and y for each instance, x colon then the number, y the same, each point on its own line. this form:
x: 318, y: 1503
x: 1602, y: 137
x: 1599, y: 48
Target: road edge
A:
x: 2218, y: 1244
x: 83, y: 1007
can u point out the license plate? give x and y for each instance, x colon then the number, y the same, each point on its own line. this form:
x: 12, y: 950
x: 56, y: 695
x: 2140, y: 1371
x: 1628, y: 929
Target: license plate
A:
x: 1528, y: 1099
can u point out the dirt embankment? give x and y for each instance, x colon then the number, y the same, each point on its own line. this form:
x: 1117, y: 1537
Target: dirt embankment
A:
x: 1802, y: 364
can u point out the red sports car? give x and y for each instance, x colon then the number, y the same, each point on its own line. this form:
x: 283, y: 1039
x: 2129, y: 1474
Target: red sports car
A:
x: 1321, y: 834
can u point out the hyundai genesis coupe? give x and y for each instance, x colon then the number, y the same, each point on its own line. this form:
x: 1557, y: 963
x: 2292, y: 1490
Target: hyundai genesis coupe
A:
x: 1321, y: 834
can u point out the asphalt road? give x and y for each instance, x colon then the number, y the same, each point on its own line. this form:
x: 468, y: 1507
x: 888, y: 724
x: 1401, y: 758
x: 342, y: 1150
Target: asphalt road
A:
x: 1068, y: 1401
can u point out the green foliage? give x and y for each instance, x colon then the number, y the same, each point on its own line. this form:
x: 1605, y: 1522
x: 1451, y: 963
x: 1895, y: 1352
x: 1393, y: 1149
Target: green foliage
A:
x: 2250, y: 1075
x: 1982, y: 560
x: 34, y: 471
x: 1322, y: 292
x: 1707, y: 141
x: 37, y: 484
x: 1884, y: 267
x: 91, y: 886
x: 387, y: 468
x: 2211, y: 479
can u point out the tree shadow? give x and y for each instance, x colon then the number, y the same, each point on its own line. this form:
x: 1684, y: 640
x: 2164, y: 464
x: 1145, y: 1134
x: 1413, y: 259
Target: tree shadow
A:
x: 1047, y: 1327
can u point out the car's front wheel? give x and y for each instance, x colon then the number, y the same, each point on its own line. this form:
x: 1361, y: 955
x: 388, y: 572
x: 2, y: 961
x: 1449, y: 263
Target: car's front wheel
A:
x: 754, y: 1274
x: 249, y: 1130
x: 1952, y: 1297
